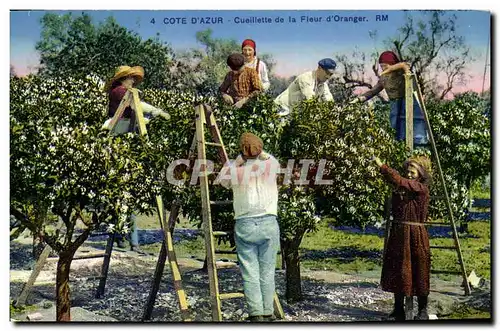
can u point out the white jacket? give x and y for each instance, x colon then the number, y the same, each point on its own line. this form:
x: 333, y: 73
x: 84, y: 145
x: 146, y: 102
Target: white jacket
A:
x: 264, y: 78
x: 303, y: 87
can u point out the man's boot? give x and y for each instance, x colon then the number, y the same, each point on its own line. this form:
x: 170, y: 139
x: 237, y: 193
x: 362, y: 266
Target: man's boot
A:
x: 422, y: 308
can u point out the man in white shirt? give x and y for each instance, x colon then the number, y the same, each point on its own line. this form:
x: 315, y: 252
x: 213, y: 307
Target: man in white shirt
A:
x: 252, y: 177
x: 307, y: 85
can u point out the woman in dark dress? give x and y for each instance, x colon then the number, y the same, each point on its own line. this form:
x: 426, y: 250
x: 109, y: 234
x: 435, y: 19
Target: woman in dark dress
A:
x: 407, y: 261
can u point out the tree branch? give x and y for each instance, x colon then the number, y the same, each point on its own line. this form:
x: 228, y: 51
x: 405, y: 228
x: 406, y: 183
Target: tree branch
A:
x: 23, y: 219
x: 53, y: 242
x: 80, y: 239
x: 357, y: 82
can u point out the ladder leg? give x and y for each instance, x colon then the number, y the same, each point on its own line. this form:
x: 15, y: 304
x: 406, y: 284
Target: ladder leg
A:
x: 207, y: 222
x: 215, y: 133
x: 21, y: 299
x: 278, y: 310
x: 174, y: 267
x: 105, y: 266
x: 445, y: 191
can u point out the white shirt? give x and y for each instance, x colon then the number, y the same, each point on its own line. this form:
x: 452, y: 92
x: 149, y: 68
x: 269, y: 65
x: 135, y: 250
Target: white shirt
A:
x: 305, y: 86
x: 264, y: 78
x: 255, y: 191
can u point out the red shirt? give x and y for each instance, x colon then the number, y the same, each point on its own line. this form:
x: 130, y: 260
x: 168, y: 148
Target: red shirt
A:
x: 115, y: 97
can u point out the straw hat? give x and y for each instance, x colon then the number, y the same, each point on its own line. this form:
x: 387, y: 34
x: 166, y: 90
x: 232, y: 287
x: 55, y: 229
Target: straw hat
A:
x: 125, y: 71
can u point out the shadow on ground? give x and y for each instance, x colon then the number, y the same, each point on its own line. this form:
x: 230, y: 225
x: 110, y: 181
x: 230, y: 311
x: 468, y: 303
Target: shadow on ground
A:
x: 434, y: 231
x: 347, y: 254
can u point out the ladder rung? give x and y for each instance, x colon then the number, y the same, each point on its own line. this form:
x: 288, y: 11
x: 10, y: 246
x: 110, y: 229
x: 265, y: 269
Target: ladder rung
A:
x: 213, y: 144
x: 446, y: 272
x: 443, y: 247
x: 225, y: 252
x: 221, y: 202
x: 437, y: 224
x: 89, y: 256
x: 224, y: 296
x: 220, y: 233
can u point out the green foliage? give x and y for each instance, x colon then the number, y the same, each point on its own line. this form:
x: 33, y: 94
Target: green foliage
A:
x: 347, y: 137
x: 74, y: 46
x: 462, y: 132
x: 212, y: 62
x: 61, y: 161
x: 296, y: 213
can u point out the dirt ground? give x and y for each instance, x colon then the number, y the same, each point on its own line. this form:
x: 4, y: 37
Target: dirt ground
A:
x: 328, y: 296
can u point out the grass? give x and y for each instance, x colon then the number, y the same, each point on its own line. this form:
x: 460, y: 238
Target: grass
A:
x: 21, y: 309
x: 335, y: 242
x: 474, y: 255
x: 465, y: 312
x: 153, y: 222
x: 350, y: 253
x: 328, y: 248
x: 480, y: 189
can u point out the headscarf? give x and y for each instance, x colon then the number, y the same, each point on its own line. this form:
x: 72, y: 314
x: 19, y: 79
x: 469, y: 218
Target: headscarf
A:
x: 388, y: 57
x: 251, y: 43
x: 250, y: 145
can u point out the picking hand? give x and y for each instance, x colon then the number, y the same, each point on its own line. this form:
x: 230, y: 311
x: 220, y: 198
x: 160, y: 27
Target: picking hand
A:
x: 240, y: 103
x: 377, y: 161
x: 361, y: 98
x: 165, y: 115
x: 227, y: 99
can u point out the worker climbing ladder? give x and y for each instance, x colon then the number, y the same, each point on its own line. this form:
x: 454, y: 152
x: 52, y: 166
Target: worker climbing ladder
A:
x: 204, y: 116
x: 131, y: 98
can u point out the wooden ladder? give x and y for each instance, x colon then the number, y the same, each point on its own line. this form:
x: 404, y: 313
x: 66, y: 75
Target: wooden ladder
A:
x: 204, y: 116
x: 131, y: 98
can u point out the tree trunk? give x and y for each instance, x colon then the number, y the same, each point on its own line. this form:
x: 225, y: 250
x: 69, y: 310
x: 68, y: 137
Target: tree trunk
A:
x: 292, y: 264
x: 63, y: 302
x: 282, y: 252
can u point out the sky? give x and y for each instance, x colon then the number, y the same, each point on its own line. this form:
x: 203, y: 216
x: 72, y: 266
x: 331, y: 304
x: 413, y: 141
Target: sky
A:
x: 295, y: 45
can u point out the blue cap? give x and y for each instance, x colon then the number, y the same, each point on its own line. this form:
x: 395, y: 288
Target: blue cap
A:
x: 328, y: 65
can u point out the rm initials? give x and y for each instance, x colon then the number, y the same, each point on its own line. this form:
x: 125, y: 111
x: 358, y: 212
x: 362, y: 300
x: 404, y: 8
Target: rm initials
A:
x: 382, y: 18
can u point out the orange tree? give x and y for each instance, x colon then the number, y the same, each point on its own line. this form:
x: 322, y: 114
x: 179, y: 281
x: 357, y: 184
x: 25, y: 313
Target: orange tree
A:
x: 63, y: 168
